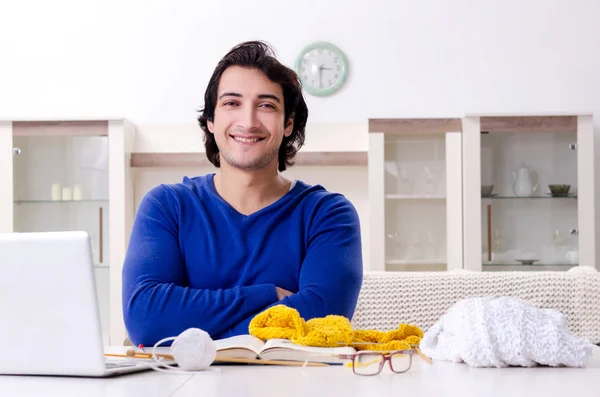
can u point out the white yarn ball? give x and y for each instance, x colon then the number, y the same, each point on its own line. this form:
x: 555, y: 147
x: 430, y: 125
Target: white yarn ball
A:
x: 194, y: 350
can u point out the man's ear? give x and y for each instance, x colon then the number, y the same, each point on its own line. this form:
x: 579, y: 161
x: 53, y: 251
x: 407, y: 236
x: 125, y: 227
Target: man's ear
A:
x: 210, y: 126
x: 289, y: 126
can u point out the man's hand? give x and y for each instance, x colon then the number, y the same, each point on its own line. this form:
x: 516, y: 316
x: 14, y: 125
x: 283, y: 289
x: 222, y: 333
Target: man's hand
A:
x: 282, y: 293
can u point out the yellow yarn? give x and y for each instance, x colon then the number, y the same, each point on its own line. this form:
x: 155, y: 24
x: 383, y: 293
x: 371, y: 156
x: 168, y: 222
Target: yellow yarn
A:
x: 331, y: 331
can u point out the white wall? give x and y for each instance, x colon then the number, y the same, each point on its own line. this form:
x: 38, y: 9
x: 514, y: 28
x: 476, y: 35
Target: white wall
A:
x: 149, y: 60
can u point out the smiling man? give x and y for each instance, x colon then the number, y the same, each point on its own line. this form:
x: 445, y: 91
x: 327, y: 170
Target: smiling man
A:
x: 213, y: 251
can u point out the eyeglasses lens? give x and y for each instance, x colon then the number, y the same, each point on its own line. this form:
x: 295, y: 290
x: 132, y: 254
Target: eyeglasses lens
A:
x: 367, y: 364
x: 400, y: 362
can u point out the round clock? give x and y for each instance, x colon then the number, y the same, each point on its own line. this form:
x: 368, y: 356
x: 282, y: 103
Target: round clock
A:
x: 322, y: 68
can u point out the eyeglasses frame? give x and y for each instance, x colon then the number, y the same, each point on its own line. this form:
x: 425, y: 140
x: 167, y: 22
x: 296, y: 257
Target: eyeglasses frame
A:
x: 386, y: 357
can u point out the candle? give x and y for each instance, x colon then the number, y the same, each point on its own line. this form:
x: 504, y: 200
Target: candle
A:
x: 56, y: 192
x: 77, y: 193
x: 67, y: 194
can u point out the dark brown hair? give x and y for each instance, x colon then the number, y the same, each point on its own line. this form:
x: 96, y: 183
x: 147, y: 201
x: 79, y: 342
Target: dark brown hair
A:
x: 259, y: 55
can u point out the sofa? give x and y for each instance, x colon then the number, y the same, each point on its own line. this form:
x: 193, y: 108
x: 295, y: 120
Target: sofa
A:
x: 421, y: 298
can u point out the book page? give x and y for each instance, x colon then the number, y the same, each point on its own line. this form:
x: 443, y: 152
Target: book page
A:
x: 283, y: 349
x: 240, y: 346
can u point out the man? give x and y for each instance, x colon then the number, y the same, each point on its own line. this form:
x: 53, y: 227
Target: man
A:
x: 213, y: 251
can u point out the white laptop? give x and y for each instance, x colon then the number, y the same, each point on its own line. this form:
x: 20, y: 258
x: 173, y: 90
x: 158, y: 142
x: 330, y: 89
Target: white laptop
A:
x: 49, y: 315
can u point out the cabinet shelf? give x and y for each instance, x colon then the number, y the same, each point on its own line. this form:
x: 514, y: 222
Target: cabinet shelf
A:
x: 415, y: 196
x: 392, y: 261
x: 99, y: 201
x: 528, y: 197
x: 498, y: 267
x: 536, y: 264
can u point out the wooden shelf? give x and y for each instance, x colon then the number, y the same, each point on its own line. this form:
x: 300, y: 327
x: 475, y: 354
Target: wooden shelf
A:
x: 529, y: 124
x: 392, y: 261
x: 536, y: 264
x: 61, y: 128
x: 488, y: 124
x: 394, y: 196
x: 411, y: 126
x: 416, y: 266
x: 93, y: 201
x: 198, y: 159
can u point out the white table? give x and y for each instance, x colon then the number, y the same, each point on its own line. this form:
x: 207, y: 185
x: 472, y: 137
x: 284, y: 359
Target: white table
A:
x: 439, y: 379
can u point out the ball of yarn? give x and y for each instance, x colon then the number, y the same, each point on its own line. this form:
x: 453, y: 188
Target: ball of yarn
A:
x: 194, y: 350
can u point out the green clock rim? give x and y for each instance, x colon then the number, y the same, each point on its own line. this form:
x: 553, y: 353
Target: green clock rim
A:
x: 331, y: 47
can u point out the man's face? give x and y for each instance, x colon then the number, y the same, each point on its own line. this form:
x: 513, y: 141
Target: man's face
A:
x: 248, y: 125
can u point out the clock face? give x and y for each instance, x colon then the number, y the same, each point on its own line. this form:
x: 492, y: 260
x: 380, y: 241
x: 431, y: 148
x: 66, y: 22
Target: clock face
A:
x: 322, y: 67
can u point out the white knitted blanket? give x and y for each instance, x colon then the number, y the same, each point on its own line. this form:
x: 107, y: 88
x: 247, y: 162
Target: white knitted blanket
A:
x: 504, y: 331
x: 422, y: 298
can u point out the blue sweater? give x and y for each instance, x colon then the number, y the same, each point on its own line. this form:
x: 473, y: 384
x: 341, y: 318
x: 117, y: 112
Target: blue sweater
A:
x: 194, y: 261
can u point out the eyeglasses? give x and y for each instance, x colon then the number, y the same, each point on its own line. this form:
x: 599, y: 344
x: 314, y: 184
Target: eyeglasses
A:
x: 368, y: 363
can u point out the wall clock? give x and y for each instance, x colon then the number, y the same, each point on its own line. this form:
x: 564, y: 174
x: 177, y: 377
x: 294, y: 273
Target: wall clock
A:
x: 322, y: 68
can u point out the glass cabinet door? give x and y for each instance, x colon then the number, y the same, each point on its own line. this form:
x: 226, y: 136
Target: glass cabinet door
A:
x: 529, y: 211
x: 60, y: 183
x: 415, y: 202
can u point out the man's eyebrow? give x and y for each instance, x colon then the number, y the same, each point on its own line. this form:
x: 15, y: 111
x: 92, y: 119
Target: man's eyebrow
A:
x: 269, y: 96
x: 260, y: 96
x: 230, y: 94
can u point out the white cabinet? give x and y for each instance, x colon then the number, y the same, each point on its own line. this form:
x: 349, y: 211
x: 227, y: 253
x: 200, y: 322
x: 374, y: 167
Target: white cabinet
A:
x: 415, y: 194
x: 526, y: 222
x: 475, y: 193
x: 59, y: 175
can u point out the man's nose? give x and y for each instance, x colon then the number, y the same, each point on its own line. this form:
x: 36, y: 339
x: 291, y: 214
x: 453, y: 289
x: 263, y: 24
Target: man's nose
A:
x: 249, y: 119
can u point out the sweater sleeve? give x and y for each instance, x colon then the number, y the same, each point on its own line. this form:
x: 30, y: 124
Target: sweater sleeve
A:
x: 332, y: 271
x: 157, y: 303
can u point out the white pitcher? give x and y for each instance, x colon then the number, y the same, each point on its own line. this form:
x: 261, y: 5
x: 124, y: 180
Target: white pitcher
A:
x: 522, y: 182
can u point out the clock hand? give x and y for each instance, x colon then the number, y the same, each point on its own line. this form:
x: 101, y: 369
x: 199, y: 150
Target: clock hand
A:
x: 320, y: 76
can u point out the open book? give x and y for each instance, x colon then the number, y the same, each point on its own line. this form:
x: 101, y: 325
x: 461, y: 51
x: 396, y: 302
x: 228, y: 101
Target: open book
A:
x: 251, y: 347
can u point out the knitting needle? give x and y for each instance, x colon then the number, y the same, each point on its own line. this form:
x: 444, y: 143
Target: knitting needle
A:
x: 270, y: 362
x: 422, y: 355
x: 133, y: 354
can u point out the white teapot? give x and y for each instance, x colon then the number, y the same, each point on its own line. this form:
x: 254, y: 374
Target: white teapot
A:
x: 522, y: 182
